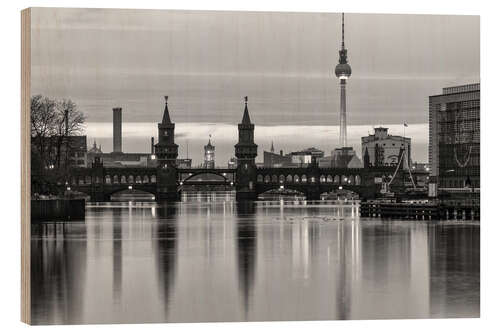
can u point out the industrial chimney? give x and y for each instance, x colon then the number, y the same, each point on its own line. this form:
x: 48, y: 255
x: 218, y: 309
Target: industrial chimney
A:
x: 152, y: 145
x: 117, y: 130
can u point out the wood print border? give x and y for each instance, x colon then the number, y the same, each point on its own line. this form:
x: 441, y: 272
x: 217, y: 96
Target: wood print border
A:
x: 25, y: 164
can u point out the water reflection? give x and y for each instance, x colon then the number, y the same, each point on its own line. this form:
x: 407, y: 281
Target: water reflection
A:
x: 246, y: 247
x: 212, y: 259
x: 117, y: 255
x: 164, y: 237
x: 58, y: 270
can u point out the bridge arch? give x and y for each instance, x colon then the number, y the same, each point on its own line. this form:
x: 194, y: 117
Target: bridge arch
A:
x: 288, y: 191
x: 207, y: 172
x: 138, y: 191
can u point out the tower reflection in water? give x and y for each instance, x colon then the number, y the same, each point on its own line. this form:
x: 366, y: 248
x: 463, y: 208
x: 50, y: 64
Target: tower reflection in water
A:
x: 246, y: 248
x: 164, y: 236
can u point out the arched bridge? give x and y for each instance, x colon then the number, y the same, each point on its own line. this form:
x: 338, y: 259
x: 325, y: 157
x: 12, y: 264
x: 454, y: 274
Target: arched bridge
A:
x: 101, y: 183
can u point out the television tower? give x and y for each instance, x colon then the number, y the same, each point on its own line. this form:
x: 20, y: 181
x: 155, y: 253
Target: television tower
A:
x: 343, y: 72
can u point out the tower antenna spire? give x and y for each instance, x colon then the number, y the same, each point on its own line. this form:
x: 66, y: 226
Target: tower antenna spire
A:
x: 343, y: 47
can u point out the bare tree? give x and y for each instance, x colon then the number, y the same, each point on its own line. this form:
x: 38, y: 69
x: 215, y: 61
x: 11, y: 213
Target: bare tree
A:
x: 69, y: 122
x: 52, y: 124
x: 43, y: 126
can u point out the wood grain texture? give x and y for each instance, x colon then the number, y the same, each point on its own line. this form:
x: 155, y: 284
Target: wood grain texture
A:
x: 25, y: 164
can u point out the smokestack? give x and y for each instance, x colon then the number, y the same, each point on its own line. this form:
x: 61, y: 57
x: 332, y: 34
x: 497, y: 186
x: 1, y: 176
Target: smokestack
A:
x: 152, y: 145
x: 66, y: 121
x: 281, y: 152
x: 117, y: 130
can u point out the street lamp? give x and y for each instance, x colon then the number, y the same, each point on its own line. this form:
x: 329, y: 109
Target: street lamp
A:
x: 130, y: 187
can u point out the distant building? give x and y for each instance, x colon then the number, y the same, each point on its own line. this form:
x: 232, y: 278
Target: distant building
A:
x: 293, y: 159
x: 382, y: 149
x: 454, y: 137
x: 122, y: 160
x: 306, y: 156
x: 209, y: 158
x: 67, y: 150
x: 341, y: 158
x: 232, y: 163
x: 184, y: 163
x: 95, y: 150
x: 276, y: 160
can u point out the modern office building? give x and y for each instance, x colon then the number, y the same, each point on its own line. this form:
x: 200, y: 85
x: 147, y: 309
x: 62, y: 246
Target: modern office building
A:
x: 383, y: 149
x: 454, y: 137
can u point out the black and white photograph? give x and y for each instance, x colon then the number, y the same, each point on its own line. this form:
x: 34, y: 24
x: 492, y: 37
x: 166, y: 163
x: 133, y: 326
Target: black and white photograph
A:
x: 191, y: 166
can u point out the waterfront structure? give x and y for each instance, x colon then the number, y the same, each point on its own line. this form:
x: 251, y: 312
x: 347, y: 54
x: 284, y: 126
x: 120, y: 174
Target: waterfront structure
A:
x: 209, y: 155
x: 454, y: 137
x: 382, y: 148
x: 343, y: 72
x: 117, y: 130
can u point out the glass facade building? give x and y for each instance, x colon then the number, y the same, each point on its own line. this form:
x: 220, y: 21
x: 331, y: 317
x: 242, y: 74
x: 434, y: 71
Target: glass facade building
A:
x: 454, y: 137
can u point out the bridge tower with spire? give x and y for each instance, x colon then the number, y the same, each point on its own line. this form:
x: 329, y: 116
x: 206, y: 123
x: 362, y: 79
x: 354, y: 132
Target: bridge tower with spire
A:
x: 166, y: 151
x: 246, y: 152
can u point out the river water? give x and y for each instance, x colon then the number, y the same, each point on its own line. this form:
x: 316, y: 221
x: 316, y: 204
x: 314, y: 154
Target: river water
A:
x: 209, y: 258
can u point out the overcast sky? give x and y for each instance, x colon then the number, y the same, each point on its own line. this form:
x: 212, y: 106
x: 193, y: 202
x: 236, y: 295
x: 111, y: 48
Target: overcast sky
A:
x: 207, y: 61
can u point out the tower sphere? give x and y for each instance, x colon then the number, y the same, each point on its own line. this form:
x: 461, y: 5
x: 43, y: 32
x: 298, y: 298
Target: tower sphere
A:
x: 343, y: 71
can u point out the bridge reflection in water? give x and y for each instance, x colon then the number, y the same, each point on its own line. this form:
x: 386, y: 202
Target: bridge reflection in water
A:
x: 207, y: 259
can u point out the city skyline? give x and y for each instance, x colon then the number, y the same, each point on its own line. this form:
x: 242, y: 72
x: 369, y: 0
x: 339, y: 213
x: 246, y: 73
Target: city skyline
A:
x: 288, y: 74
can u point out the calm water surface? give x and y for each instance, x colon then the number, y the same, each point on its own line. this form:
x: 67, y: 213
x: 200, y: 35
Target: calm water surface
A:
x: 216, y: 260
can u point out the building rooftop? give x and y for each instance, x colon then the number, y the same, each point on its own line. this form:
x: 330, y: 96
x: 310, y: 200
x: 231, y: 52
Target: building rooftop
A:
x: 462, y: 89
